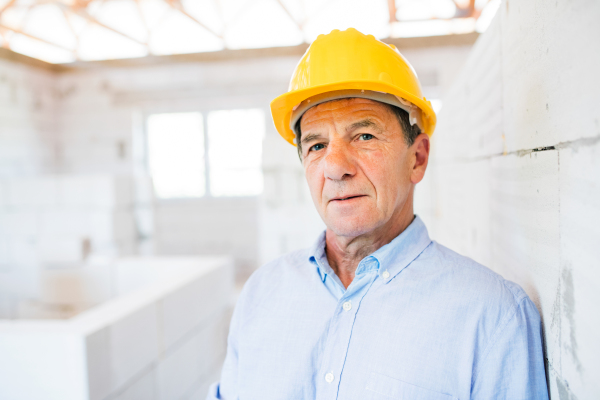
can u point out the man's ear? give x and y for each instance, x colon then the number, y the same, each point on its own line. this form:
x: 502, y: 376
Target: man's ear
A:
x: 420, y: 147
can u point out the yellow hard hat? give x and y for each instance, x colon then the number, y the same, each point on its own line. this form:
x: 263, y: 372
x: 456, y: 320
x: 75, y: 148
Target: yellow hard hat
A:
x: 346, y: 64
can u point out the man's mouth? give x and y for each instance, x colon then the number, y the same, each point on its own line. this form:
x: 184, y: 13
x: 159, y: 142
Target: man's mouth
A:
x: 345, y: 198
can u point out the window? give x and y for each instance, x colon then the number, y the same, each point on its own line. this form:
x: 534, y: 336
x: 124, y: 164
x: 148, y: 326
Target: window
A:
x: 176, y: 154
x: 184, y: 162
x: 235, y: 152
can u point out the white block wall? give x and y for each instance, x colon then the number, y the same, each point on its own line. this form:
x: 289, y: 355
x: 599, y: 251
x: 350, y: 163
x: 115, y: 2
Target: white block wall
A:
x: 28, y: 117
x: 210, y: 226
x: 514, y: 179
x: 163, y: 339
x: 57, y: 222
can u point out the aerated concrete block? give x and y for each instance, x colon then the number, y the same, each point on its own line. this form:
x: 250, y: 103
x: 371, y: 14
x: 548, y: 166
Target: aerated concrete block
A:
x: 23, y: 252
x: 178, y: 369
x: 526, y: 230
x: 108, y: 226
x: 142, y: 389
x: 61, y: 250
x: 549, y: 98
x: 133, y: 344
x: 4, y: 197
x: 461, y: 208
x: 64, y: 222
x: 20, y: 223
x: 96, y: 190
x: 473, y: 113
x: 98, y: 363
x: 194, y: 305
x: 36, y: 192
x: 578, y: 295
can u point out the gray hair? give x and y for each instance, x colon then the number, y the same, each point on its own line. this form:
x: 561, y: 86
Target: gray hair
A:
x: 409, y: 131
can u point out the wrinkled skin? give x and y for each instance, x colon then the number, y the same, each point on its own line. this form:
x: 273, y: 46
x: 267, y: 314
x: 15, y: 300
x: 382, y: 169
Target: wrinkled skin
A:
x: 361, y: 175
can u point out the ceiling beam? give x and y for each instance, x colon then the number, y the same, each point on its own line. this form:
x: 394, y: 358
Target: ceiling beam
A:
x: 392, y: 10
x: 463, y: 39
x: 7, y: 5
x: 176, y: 5
x: 9, y: 55
x: 298, y: 24
x: 84, y: 14
x: 72, y: 29
x: 20, y: 32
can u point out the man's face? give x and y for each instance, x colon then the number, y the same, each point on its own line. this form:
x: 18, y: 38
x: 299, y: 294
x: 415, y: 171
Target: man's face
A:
x: 359, y: 169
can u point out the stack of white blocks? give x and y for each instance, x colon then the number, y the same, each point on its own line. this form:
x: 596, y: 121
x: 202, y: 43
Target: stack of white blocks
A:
x: 57, y: 222
x: 163, y: 337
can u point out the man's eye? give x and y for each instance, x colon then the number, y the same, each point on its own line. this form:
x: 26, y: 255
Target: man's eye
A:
x: 366, y: 136
x: 316, y: 147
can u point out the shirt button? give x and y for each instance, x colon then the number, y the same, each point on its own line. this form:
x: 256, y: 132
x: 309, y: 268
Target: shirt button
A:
x: 385, y: 274
x: 329, y: 377
x: 347, y: 306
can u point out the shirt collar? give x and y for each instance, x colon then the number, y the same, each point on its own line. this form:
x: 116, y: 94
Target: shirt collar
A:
x: 317, y: 257
x: 391, y: 258
x: 402, y: 250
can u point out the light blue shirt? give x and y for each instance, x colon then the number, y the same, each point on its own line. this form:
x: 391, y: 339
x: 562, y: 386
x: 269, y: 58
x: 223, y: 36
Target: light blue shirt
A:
x: 418, y: 321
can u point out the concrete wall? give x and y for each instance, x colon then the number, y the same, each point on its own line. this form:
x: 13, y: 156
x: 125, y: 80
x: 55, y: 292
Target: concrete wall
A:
x: 28, y: 101
x: 103, y: 112
x: 162, y: 337
x: 514, y: 180
x: 57, y: 222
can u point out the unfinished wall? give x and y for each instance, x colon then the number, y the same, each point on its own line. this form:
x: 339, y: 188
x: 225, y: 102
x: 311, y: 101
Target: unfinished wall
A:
x: 28, y: 100
x: 514, y: 180
x: 103, y: 112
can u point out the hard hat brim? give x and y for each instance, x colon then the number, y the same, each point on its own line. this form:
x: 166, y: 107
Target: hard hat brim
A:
x: 282, y: 106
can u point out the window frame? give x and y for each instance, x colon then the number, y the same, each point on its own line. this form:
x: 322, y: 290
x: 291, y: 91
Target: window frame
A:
x: 204, y: 111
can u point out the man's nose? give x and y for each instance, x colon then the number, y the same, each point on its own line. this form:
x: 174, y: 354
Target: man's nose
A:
x: 339, y: 163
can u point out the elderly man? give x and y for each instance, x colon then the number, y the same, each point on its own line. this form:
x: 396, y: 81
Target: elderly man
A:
x: 375, y: 309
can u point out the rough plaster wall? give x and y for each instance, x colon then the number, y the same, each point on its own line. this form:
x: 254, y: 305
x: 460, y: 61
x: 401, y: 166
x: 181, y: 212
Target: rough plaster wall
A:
x: 28, y: 100
x: 514, y: 179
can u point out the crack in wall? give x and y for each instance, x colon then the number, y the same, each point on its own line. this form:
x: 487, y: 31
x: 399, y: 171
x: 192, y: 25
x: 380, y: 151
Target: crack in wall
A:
x: 571, y: 144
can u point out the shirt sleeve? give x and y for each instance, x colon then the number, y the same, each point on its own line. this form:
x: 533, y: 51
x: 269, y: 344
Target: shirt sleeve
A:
x: 512, y: 366
x: 227, y: 387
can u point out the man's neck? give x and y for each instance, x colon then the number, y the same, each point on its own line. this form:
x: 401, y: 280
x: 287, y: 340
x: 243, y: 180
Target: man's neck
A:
x: 345, y: 253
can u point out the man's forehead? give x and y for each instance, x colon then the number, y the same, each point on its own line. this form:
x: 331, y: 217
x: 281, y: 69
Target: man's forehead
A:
x: 345, y: 106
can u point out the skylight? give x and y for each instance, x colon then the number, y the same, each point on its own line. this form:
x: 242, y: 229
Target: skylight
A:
x: 62, y: 31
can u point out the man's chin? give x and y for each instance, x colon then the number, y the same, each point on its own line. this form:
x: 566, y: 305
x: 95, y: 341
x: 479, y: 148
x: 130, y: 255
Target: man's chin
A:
x: 350, y: 228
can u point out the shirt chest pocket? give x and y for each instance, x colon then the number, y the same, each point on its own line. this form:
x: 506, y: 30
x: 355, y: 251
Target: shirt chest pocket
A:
x: 386, y: 388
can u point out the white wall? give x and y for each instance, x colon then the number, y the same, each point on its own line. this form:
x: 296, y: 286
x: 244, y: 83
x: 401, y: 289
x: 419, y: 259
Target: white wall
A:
x: 28, y: 100
x: 514, y: 180
x: 162, y: 337
x: 210, y: 226
x: 101, y: 129
x: 54, y: 222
